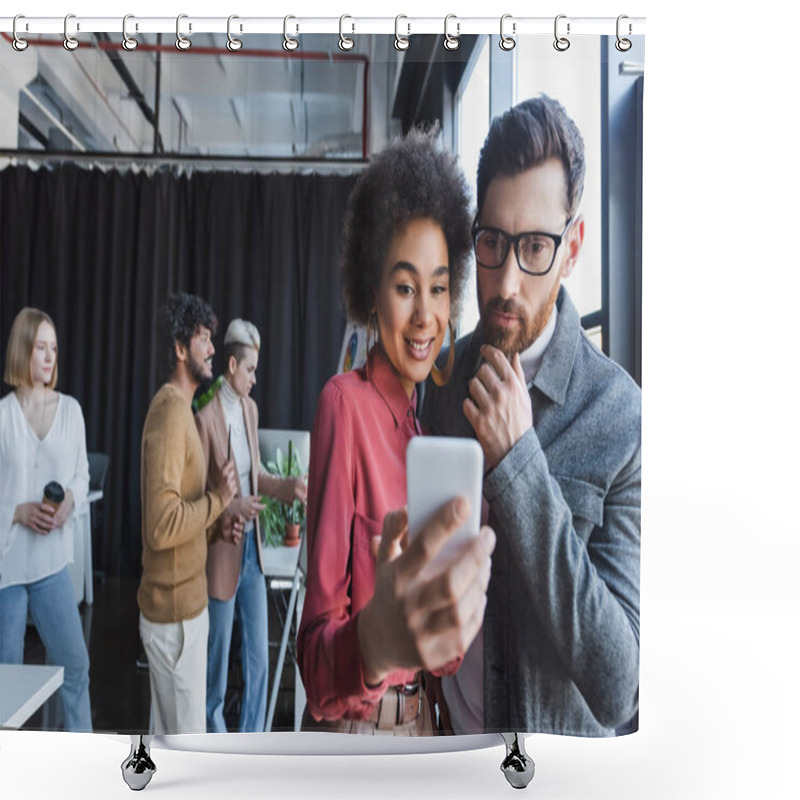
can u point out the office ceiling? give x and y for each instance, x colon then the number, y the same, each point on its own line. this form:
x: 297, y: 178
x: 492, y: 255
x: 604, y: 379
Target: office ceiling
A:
x: 259, y: 102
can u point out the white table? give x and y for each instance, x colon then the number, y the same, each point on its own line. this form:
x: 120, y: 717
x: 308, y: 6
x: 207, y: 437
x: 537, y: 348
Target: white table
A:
x: 24, y: 688
x: 80, y: 569
x: 282, y: 563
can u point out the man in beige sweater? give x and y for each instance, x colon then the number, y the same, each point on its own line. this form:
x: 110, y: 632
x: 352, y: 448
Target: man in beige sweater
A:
x: 176, y: 513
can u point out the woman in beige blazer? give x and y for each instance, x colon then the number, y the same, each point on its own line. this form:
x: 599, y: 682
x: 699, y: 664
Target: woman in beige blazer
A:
x: 235, y: 573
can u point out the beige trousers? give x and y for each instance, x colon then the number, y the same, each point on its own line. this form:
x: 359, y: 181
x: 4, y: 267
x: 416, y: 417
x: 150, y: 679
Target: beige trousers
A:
x: 177, y: 653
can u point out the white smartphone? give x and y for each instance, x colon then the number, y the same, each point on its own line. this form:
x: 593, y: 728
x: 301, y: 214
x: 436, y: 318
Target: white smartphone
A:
x: 439, y: 468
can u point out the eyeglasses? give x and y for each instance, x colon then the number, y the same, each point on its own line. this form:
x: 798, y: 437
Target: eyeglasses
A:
x: 535, y: 250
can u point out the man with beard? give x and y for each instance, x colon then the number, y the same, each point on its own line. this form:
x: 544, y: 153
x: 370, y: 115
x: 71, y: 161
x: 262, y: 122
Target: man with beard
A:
x: 560, y: 427
x: 176, y: 513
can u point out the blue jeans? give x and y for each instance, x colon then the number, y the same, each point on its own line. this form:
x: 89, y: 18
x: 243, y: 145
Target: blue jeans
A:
x: 249, y: 602
x: 52, y: 606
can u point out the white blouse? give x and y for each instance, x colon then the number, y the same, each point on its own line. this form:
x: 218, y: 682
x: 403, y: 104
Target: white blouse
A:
x: 28, y: 465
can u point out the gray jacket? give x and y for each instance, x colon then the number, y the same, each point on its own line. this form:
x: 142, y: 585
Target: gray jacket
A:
x: 561, y: 629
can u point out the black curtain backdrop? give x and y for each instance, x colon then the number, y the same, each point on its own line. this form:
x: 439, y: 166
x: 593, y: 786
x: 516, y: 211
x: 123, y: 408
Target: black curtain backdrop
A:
x: 100, y: 250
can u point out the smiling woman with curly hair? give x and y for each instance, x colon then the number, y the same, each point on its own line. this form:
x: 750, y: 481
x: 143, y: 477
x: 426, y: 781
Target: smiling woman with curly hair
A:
x: 404, y: 261
x: 410, y: 179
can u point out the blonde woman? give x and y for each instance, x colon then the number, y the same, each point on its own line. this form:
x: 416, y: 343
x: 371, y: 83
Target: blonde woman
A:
x: 42, y: 440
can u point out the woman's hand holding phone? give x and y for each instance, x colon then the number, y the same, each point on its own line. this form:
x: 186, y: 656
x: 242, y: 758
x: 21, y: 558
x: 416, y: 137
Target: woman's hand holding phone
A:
x: 416, y: 619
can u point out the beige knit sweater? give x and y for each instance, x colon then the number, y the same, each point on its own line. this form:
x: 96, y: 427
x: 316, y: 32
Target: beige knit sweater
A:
x: 176, y: 511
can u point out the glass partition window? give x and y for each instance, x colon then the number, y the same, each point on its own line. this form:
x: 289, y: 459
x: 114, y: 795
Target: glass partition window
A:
x: 473, y: 119
x: 203, y: 103
x: 573, y: 78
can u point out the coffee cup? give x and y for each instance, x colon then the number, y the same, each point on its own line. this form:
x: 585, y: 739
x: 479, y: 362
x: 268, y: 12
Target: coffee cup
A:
x: 53, y: 495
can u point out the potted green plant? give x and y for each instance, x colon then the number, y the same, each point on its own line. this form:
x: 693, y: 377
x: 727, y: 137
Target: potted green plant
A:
x: 272, y: 523
x: 283, y: 520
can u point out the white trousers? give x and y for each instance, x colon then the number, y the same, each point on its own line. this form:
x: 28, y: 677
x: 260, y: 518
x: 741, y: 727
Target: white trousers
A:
x: 177, y: 653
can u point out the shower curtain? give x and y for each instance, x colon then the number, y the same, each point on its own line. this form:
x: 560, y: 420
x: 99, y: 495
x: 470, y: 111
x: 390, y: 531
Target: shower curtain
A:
x: 129, y: 175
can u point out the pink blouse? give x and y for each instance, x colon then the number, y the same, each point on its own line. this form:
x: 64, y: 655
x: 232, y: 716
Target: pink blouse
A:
x: 357, y: 473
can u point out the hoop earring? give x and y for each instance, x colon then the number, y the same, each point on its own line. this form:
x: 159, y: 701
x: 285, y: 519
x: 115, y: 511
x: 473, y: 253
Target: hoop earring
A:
x: 372, y: 331
x: 441, y: 376
x: 372, y: 326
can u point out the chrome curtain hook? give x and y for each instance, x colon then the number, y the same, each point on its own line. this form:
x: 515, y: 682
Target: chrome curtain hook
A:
x: 18, y: 43
x: 345, y: 43
x: 181, y: 42
x: 401, y: 42
x: 561, y: 43
x: 451, y: 42
x: 233, y: 44
x: 623, y: 45
x: 289, y: 44
x: 128, y: 42
x: 70, y: 42
x: 506, y: 42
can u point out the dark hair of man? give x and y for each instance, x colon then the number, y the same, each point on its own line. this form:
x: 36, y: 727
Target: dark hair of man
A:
x: 527, y: 135
x: 409, y: 179
x: 178, y: 321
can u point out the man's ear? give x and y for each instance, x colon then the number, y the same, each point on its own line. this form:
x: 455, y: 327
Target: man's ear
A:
x: 181, y: 351
x: 573, y: 243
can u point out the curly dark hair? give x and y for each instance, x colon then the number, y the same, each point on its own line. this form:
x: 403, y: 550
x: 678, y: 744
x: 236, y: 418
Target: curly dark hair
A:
x: 527, y: 135
x: 410, y: 178
x: 178, y: 321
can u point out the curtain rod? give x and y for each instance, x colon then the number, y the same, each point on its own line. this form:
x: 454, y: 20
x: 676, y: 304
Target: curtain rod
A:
x: 346, y: 25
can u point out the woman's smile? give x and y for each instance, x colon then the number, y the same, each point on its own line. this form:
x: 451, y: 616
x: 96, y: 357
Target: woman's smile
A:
x: 413, y: 300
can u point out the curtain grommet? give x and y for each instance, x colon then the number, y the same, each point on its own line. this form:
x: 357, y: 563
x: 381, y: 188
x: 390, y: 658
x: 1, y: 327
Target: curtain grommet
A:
x: 451, y: 42
x: 181, y: 42
x: 623, y: 45
x: 70, y: 42
x: 345, y: 42
x: 561, y: 43
x: 18, y: 43
x: 401, y: 43
x: 128, y: 42
x: 290, y: 44
x: 233, y: 44
x: 507, y: 42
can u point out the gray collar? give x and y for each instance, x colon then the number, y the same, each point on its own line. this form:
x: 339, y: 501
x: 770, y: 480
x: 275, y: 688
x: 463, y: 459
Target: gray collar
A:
x: 553, y: 375
x: 555, y: 372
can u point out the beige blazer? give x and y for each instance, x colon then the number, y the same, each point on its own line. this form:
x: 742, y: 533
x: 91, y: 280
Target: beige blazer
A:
x: 225, y: 557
